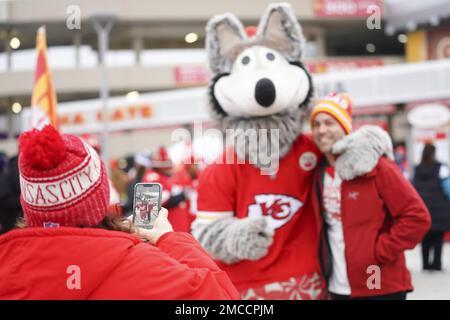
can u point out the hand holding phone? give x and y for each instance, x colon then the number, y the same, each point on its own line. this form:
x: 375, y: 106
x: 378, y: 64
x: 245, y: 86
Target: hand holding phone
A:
x: 161, y: 226
x: 146, y: 204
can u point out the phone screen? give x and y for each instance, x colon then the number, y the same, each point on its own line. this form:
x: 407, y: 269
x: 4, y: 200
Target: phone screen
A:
x: 147, y: 203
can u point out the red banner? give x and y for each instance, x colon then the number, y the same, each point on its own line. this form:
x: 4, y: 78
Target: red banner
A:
x: 342, y: 65
x: 383, y: 123
x: 374, y: 110
x: 191, y: 75
x: 344, y: 8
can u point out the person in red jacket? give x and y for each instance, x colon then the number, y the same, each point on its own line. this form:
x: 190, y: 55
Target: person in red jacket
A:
x: 69, y: 247
x: 365, y: 223
x: 187, y: 176
x: 173, y: 195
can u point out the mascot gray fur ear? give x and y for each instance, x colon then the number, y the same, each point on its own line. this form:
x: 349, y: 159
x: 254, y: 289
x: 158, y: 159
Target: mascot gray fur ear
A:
x: 279, y: 26
x: 223, y: 33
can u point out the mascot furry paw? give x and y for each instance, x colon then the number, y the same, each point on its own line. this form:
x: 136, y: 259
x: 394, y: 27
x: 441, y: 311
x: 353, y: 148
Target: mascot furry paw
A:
x: 260, y: 227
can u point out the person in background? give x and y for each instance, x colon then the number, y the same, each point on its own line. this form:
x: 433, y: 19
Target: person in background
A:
x: 141, y: 163
x: 114, y: 200
x: 365, y: 222
x: 401, y: 160
x: 70, y: 247
x: 173, y: 196
x: 119, y: 179
x: 187, y: 176
x: 10, y: 209
x: 3, y: 161
x: 432, y: 181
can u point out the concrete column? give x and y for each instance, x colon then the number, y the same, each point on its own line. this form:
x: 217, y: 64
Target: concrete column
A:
x: 320, y: 42
x: 8, y: 50
x: 138, y: 46
x: 9, y: 101
x: 103, y: 25
x: 10, y: 115
x: 77, y: 45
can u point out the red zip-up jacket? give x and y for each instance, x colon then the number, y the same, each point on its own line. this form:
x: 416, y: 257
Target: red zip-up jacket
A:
x: 382, y: 216
x: 76, y: 263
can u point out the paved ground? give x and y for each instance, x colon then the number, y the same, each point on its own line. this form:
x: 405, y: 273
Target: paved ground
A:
x: 429, y: 285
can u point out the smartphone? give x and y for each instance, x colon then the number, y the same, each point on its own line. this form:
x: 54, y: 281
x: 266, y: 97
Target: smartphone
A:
x: 146, y: 204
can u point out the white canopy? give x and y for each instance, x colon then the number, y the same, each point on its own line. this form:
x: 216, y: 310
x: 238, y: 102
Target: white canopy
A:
x: 408, y: 14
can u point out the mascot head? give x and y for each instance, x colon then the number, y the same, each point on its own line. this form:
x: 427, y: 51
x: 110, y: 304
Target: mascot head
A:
x: 259, y: 81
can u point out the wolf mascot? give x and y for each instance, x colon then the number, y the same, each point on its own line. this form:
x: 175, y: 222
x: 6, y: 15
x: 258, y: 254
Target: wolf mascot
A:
x: 254, y: 220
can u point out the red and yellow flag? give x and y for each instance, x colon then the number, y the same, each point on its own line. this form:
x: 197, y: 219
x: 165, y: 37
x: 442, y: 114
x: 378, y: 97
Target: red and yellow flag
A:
x: 43, y: 100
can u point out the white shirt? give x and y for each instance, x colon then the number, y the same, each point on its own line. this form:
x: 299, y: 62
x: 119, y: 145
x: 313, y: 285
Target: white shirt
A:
x: 332, y: 204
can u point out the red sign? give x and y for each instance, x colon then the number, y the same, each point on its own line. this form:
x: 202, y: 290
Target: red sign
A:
x: 357, y: 123
x: 344, y: 8
x: 374, y: 110
x: 191, y: 75
x: 342, y: 65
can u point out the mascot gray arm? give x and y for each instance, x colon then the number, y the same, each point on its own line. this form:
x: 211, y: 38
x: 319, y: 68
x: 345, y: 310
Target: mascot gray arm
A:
x: 360, y: 151
x: 231, y: 240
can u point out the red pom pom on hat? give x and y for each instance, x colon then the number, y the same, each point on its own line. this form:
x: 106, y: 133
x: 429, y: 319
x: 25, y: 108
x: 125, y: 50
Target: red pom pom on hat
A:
x: 63, y: 181
x: 42, y: 149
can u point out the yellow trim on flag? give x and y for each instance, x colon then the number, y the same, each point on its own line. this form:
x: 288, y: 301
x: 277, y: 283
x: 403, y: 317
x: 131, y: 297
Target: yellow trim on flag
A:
x: 43, y: 94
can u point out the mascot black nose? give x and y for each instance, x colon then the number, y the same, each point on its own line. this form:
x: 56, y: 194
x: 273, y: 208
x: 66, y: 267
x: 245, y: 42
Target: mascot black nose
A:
x: 265, y: 92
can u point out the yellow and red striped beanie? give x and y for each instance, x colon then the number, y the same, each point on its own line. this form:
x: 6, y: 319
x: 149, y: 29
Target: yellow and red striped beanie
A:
x: 337, y: 105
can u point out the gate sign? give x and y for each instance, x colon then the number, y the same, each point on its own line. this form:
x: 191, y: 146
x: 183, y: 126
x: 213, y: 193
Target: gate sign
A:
x: 344, y: 8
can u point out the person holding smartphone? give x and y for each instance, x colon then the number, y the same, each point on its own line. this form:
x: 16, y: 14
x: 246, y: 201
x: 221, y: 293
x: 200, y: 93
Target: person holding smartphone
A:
x: 366, y: 223
x: 70, y: 247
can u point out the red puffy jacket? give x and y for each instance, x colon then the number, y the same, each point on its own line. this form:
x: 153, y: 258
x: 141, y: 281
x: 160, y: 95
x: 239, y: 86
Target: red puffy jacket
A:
x: 382, y: 216
x: 38, y: 263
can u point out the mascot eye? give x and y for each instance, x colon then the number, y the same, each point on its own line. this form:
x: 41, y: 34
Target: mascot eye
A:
x: 245, y: 60
x: 270, y: 56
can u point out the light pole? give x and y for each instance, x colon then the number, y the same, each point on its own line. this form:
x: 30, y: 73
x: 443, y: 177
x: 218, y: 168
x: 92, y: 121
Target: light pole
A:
x: 103, y: 23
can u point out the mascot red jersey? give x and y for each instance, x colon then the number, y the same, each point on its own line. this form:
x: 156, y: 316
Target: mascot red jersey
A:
x: 254, y: 215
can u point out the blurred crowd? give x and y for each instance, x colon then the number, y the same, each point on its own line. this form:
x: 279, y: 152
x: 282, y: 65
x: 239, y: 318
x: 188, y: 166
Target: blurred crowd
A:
x: 179, y: 181
x: 179, y: 184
